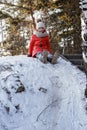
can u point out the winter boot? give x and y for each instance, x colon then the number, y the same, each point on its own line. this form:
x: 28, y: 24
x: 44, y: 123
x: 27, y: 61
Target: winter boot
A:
x: 55, y: 57
x: 45, y: 53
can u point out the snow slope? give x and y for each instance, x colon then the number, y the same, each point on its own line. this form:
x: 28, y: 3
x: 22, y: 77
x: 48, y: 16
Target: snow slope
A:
x: 52, y: 96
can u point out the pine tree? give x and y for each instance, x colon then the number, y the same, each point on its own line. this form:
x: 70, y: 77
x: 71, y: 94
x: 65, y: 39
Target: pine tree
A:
x: 66, y: 20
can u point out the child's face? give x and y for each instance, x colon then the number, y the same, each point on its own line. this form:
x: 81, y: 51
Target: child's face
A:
x: 41, y: 29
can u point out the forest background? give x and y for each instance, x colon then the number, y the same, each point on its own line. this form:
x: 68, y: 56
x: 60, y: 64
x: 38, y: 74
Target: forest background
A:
x: 62, y: 19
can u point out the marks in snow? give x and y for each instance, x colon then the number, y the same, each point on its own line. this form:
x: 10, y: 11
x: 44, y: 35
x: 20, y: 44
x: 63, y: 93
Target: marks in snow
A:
x: 41, y: 97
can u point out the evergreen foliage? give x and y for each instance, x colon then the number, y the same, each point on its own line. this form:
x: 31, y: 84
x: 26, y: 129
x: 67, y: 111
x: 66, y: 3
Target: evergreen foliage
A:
x: 62, y: 24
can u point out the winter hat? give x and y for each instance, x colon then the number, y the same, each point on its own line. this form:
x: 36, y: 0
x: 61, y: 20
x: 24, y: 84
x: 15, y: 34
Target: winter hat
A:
x: 39, y: 25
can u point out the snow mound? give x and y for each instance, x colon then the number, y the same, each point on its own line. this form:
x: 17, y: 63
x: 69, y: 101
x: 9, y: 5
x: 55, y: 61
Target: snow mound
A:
x: 37, y: 96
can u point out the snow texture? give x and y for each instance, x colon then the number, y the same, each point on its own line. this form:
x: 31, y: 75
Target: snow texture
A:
x: 37, y: 96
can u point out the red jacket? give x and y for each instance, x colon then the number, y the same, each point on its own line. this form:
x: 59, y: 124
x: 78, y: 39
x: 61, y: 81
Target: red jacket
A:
x: 38, y: 44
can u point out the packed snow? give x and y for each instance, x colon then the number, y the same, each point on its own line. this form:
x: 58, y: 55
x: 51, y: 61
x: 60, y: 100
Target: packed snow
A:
x: 37, y: 96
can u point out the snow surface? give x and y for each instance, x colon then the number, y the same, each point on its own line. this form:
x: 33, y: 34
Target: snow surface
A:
x: 53, y: 98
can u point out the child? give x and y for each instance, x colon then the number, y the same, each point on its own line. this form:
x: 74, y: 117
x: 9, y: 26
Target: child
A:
x: 40, y: 45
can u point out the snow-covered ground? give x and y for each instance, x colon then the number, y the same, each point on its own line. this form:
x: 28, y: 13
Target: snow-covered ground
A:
x: 37, y: 96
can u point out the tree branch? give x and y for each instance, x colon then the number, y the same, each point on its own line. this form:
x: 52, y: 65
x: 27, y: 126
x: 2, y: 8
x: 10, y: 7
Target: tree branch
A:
x: 17, y: 6
x: 21, y: 7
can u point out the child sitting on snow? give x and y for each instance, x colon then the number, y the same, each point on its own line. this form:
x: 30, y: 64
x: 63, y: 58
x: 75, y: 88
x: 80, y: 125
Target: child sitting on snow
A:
x: 40, y: 45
